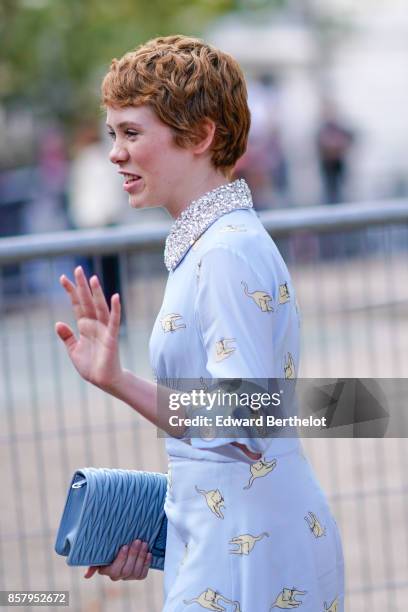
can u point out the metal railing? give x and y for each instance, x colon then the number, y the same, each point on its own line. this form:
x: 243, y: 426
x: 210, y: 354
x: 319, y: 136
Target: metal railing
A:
x: 321, y: 219
x: 349, y: 265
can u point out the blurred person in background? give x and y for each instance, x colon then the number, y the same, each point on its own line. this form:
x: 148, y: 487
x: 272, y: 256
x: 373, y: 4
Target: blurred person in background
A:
x: 248, y: 525
x: 334, y: 141
x: 49, y: 208
x: 33, y: 201
x: 263, y: 165
x: 94, y: 200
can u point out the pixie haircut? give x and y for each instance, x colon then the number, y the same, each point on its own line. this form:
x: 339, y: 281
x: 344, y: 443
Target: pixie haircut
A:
x: 185, y: 81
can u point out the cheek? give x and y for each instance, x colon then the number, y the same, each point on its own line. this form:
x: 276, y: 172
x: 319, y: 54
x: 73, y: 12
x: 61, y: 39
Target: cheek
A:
x: 140, y: 155
x: 167, y: 165
x: 177, y: 162
x: 159, y: 159
x: 151, y: 159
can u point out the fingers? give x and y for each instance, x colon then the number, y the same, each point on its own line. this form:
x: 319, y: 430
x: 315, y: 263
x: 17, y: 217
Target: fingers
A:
x: 136, y: 560
x: 91, y: 571
x: 88, y: 300
x: 66, y: 334
x: 245, y: 449
x: 101, y: 307
x: 114, y: 317
x: 145, y: 569
x: 131, y: 563
x: 146, y: 566
x: 84, y: 294
x: 114, y: 570
x: 72, y: 292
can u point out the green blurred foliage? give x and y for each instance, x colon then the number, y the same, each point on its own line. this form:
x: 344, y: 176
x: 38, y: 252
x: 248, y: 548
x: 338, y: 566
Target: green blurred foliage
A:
x: 53, y: 53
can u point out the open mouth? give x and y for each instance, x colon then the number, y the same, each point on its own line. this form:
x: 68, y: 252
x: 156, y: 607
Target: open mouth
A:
x: 131, y: 180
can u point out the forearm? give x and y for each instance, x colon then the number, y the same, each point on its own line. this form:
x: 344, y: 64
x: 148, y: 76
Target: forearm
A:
x: 151, y: 401
x: 147, y: 398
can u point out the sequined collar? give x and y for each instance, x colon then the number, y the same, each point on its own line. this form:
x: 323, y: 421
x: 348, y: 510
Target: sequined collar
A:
x: 200, y: 214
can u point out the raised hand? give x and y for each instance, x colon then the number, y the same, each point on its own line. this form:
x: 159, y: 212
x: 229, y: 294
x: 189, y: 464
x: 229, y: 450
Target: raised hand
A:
x: 131, y: 563
x: 95, y: 354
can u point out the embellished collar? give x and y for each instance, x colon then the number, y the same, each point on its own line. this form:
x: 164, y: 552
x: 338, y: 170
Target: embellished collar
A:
x: 200, y: 214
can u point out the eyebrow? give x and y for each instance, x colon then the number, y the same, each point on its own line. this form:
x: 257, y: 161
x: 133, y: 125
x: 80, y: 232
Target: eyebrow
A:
x: 125, y: 124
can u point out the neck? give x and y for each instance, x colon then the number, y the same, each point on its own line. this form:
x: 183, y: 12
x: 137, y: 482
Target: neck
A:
x: 191, y: 190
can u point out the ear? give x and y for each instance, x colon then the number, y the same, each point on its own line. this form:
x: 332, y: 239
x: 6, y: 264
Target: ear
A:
x: 205, y: 137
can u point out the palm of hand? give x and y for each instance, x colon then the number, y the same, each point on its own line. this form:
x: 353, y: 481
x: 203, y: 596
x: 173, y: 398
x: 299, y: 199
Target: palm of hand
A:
x: 95, y: 353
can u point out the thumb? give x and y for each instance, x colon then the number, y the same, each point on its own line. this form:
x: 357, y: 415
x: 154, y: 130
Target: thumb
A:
x: 91, y: 571
x: 66, y: 334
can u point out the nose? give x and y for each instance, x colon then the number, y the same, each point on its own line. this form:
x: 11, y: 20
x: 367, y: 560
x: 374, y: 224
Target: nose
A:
x: 118, y: 153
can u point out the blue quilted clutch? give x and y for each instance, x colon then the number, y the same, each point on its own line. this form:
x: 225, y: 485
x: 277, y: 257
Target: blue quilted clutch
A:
x: 106, y: 509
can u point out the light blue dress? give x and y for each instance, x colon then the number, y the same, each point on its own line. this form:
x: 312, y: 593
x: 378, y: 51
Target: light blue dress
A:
x: 243, y: 536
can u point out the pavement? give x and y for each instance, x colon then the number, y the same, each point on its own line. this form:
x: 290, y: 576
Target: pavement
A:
x: 354, y: 324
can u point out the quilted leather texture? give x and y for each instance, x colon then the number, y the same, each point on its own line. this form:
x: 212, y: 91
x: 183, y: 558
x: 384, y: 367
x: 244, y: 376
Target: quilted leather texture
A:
x: 106, y: 509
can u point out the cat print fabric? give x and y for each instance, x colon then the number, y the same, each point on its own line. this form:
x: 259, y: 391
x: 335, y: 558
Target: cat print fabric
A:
x: 229, y: 310
x: 244, y: 534
x: 271, y: 546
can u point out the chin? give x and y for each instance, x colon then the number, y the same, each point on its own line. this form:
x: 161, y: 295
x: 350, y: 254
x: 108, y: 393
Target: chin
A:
x: 136, y: 201
x: 135, y: 204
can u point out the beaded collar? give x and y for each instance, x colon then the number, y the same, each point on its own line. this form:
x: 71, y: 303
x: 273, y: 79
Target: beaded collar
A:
x: 200, y: 214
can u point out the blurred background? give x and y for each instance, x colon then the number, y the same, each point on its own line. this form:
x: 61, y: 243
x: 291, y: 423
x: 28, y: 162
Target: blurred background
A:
x: 327, y: 165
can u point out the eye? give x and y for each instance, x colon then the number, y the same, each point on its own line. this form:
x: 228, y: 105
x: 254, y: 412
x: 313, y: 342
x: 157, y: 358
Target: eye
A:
x: 131, y: 133
x: 111, y: 134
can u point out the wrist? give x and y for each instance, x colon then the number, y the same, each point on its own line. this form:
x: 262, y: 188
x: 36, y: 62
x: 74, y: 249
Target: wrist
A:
x: 116, y: 383
x: 248, y: 453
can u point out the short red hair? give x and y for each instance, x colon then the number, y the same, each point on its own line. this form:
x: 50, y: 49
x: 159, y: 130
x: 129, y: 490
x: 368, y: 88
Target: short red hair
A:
x: 184, y: 80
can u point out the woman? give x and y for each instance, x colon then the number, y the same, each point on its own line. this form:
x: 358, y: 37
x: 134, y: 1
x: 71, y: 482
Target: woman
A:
x: 248, y: 526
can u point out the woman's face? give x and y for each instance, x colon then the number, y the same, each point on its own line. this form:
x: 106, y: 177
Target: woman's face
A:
x: 152, y: 165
